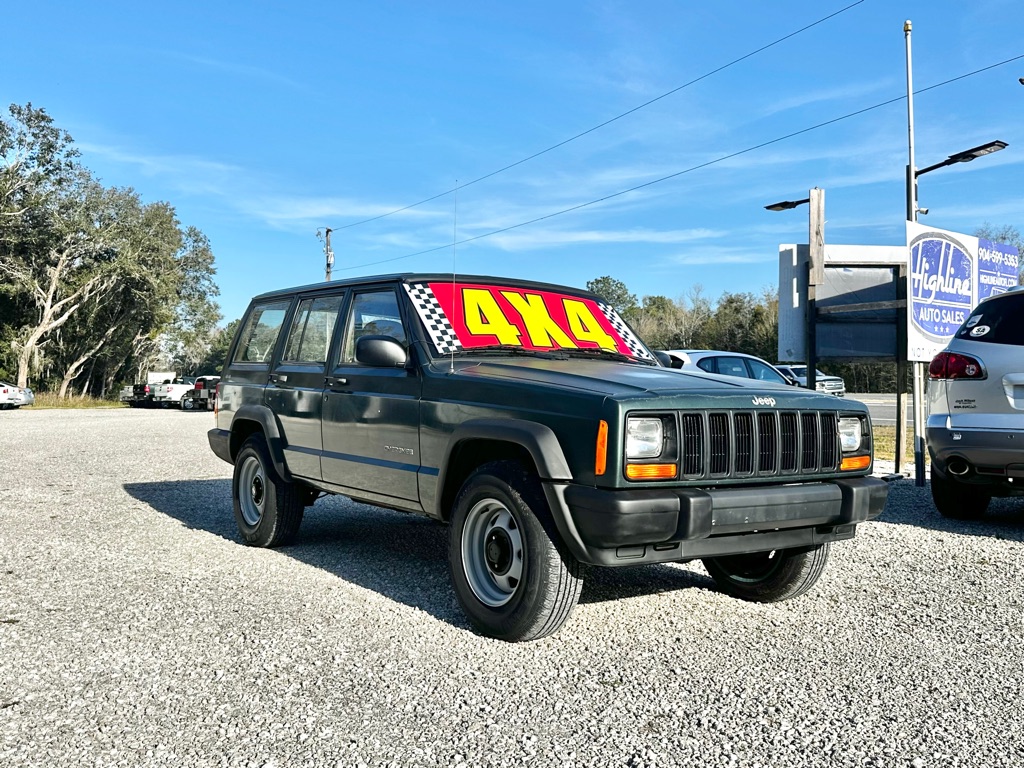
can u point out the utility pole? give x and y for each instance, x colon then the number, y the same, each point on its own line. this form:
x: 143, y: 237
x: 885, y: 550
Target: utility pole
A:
x: 329, y: 253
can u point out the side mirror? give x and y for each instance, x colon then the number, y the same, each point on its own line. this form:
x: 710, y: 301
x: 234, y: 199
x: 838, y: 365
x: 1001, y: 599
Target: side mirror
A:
x: 664, y: 358
x: 380, y: 352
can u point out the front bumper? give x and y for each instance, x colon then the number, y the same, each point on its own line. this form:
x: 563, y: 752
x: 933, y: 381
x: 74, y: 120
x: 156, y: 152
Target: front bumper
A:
x: 606, y: 527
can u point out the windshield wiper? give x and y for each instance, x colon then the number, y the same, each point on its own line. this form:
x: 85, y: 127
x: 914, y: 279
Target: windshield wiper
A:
x: 608, y: 354
x: 510, y: 349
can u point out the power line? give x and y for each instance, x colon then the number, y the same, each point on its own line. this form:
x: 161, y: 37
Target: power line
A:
x: 717, y: 160
x: 605, y: 123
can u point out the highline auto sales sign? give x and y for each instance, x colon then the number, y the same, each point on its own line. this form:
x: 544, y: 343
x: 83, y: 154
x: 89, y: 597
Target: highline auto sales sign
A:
x: 949, y: 274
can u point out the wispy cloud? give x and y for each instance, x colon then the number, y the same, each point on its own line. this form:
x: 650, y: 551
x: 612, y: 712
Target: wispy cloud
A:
x: 547, y: 238
x: 839, y: 93
x: 245, y: 71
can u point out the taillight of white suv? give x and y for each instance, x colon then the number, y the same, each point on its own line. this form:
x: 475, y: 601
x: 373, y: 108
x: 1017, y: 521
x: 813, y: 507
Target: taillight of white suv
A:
x: 952, y: 365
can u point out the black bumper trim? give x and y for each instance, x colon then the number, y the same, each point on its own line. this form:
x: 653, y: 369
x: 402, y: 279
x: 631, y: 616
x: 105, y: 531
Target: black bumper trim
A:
x: 600, y: 521
x: 220, y: 443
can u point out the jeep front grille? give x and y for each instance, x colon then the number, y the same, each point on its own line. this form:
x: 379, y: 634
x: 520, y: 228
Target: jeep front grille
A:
x: 724, y: 444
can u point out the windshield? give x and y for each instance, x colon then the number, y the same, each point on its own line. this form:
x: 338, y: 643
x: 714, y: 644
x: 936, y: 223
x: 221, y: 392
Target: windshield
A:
x: 468, y: 317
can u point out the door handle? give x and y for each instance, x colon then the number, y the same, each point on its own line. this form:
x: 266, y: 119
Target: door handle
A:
x: 279, y: 378
x: 336, y: 381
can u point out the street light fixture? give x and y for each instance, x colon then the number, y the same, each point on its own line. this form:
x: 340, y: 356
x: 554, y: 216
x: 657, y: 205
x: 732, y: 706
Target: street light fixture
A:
x: 960, y: 157
x: 786, y: 205
x: 966, y: 156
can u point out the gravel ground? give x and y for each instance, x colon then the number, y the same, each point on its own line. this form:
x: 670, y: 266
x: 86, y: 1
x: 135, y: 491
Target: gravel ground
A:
x: 135, y: 630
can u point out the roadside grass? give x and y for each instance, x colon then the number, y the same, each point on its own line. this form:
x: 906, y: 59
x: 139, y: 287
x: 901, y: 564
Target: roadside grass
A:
x: 52, y: 400
x: 885, y: 443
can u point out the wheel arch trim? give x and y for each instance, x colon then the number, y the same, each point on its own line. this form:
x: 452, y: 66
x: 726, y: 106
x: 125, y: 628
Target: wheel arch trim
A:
x: 538, y: 440
x: 265, y: 421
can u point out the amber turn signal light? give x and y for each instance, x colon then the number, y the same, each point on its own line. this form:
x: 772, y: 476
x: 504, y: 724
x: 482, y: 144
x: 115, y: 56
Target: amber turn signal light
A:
x: 650, y: 471
x: 601, y: 457
x: 855, y: 462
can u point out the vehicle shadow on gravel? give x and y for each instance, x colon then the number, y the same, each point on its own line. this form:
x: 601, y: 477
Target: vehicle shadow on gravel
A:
x: 400, y: 556
x: 909, y: 504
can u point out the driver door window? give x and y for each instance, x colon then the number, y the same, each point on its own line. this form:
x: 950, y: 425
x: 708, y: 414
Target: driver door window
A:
x: 373, y: 313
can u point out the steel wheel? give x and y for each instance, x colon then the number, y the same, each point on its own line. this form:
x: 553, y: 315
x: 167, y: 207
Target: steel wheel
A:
x: 268, y: 509
x: 252, y: 490
x: 492, y: 552
x: 512, y: 575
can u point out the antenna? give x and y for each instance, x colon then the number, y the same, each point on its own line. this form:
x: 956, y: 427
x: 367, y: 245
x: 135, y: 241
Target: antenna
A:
x: 455, y: 240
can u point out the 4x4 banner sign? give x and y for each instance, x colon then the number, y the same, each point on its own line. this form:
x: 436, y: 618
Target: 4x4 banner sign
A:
x: 470, y: 315
x: 949, y: 274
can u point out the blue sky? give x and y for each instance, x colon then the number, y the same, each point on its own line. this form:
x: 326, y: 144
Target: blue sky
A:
x: 262, y: 122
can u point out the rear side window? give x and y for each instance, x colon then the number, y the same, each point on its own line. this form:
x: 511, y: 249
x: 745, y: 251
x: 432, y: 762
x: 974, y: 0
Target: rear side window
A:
x: 732, y: 366
x: 763, y: 373
x: 1000, y: 321
x: 312, y: 328
x: 259, y: 336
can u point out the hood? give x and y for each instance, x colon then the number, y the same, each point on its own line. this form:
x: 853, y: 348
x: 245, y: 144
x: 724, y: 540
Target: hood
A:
x: 625, y: 381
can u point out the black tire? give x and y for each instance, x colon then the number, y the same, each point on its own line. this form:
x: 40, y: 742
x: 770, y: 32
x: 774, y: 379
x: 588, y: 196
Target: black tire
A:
x: 512, y: 574
x: 956, y: 500
x: 768, y: 577
x: 268, y: 510
x: 187, y: 404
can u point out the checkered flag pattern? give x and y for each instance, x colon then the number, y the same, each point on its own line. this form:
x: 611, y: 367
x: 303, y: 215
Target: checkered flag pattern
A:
x: 636, y: 348
x: 440, y: 330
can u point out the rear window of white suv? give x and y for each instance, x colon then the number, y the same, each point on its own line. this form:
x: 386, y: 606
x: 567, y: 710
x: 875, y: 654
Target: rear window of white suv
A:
x: 996, y: 321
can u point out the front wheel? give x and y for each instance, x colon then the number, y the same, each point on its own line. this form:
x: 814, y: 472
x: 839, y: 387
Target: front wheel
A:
x: 956, y: 500
x: 512, y: 575
x: 268, y: 510
x: 768, y: 577
x: 187, y: 404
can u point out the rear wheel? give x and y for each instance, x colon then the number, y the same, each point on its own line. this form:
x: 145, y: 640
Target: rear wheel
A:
x: 768, y: 577
x: 512, y: 575
x: 188, y: 404
x: 956, y: 500
x: 268, y: 510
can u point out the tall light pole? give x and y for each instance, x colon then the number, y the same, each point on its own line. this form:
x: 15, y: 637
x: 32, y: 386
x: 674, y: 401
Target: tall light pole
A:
x: 815, y: 272
x: 912, y: 211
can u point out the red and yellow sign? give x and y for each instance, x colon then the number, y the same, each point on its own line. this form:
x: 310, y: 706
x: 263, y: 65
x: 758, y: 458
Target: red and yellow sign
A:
x: 488, y: 315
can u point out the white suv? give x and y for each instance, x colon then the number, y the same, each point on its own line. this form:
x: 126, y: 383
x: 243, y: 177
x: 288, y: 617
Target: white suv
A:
x: 976, y: 409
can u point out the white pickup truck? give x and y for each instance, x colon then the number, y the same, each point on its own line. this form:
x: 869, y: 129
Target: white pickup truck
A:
x: 141, y: 395
x: 170, y: 393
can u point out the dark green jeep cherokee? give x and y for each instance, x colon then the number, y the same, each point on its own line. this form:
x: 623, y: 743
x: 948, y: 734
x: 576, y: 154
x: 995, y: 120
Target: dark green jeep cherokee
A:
x: 535, y: 422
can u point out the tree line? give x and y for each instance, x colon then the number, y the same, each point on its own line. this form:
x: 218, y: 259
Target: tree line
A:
x: 96, y: 286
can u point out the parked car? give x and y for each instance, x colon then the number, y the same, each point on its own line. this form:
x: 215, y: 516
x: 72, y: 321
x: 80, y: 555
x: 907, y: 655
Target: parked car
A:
x: 533, y: 421
x: 830, y: 385
x: 28, y: 397
x: 727, y: 364
x: 9, y: 397
x: 975, y: 428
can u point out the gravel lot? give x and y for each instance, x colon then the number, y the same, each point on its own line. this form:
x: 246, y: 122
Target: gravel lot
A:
x: 135, y: 630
